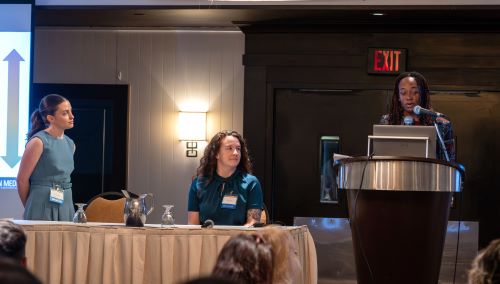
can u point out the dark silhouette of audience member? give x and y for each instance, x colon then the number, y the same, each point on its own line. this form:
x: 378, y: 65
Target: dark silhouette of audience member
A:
x: 14, y: 273
x: 210, y: 280
x: 486, y: 266
x: 12, y: 241
x: 287, y: 268
x: 245, y: 258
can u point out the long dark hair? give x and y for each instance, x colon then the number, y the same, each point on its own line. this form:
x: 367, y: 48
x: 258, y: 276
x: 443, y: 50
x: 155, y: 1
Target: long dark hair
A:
x: 48, y: 106
x: 486, y: 266
x: 246, y: 258
x: 208, y: 163
x: 397, y: 110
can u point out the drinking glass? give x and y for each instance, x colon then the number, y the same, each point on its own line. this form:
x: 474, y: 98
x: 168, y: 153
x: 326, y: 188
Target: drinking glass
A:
x: 79, y: 216
x: 167, y: 219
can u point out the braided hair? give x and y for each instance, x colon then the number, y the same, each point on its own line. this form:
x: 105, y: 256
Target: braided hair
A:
x: 397, y: 110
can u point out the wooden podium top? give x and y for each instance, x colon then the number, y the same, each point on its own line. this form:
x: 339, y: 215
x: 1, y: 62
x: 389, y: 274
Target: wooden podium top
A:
x: 399, y: 174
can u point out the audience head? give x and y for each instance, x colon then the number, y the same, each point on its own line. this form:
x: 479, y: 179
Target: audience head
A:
x: 486, y: 266
x: 14, y: 273
x: 245, y: 258
x: 400, y: 102
x: 210, y: 280
x: 286, y: 264
x: 214, y: 149
x: 12, y: 241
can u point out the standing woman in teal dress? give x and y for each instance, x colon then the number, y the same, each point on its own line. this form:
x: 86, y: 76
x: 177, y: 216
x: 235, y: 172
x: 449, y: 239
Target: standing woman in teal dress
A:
x: 43, y: 180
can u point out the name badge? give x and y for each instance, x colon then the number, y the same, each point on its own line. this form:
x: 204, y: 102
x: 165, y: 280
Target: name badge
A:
x: 229, y: 201
x: 56, y: 195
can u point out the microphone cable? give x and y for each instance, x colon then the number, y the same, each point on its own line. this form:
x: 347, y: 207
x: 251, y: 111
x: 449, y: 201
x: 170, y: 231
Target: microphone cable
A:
x: 459, y: 213
x: 360, y: 243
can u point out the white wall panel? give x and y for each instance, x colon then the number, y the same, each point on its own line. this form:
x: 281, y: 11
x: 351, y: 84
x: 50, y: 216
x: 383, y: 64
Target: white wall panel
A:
x: 167, y: 71
x: 75, y: 56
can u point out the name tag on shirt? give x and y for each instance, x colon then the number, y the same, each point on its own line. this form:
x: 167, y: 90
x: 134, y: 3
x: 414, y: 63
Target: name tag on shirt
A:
x: 56, y: 195
x: 229, y: 201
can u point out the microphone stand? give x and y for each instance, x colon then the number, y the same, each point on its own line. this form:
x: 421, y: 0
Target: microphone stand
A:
x: 441, y: 142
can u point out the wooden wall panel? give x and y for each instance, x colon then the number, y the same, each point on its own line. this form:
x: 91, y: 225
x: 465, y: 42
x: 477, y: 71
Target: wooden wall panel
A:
x: 167, y: 71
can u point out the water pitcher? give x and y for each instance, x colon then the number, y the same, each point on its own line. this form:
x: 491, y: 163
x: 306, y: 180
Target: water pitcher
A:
x: 136, y: 209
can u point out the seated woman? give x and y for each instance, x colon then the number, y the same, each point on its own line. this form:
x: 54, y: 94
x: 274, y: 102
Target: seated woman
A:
x: 224, y: 190
x: 410, y: 90
x: 246, y: 259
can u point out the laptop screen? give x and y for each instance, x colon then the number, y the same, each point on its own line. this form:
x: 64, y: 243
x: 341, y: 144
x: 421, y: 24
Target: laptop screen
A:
x: 404, y: 140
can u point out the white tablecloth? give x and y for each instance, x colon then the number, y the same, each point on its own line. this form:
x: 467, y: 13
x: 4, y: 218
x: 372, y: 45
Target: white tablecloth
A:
x: 63, y: 252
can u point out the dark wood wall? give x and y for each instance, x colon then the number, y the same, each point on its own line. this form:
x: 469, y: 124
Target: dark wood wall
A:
x: 462, y: 65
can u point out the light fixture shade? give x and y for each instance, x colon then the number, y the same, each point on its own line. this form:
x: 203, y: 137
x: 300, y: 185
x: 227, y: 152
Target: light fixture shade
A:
x: 192, y: 126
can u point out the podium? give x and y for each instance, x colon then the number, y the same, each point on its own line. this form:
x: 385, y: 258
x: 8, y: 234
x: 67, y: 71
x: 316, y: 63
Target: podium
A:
x: 398, y: 212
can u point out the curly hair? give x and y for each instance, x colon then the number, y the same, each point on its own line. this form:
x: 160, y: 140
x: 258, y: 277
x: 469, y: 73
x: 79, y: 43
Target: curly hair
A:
x: 485, y: 267
x: 246, y: 258
x: 397, y: 110
x: 208, y: 163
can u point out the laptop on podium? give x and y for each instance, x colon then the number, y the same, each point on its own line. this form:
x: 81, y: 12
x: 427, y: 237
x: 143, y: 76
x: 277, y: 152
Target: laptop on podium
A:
x: 403, y: 140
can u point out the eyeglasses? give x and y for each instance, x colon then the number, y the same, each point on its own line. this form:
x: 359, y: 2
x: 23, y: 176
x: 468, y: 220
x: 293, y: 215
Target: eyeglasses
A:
x: 225, y: 133
x: 228, y: 132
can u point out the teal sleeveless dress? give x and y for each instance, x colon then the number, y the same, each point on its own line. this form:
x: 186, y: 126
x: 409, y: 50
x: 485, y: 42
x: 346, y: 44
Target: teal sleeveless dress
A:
x: 53, y: 168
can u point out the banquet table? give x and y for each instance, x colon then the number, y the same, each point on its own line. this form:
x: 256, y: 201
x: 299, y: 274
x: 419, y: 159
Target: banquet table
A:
x: 63, y: 252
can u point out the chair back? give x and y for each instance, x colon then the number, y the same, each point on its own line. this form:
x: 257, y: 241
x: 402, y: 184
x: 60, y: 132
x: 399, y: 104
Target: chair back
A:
x: 106, y: 208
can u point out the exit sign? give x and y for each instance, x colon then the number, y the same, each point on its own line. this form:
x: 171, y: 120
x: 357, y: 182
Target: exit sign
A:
x: 386, y: 60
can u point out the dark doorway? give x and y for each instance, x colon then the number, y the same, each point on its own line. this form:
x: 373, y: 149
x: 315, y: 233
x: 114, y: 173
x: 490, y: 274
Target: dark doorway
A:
x: 100, y: 135
x: 302, y: 118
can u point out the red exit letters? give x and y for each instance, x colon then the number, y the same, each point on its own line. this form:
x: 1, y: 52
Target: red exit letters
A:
x: 386, y: 60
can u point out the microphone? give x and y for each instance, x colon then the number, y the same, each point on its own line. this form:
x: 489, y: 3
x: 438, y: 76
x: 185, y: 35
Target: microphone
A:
x: 208, y: 224
x: 420, y: 110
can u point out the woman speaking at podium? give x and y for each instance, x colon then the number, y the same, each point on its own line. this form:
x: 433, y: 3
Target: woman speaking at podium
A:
x: 411, y: 90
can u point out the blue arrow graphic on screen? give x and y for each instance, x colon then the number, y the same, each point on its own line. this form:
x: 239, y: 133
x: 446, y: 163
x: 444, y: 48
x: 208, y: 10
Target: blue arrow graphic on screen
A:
x: 14, y: 59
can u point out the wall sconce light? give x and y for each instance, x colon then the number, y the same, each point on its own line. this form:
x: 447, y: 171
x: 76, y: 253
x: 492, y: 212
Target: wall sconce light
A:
x: 192, y: 128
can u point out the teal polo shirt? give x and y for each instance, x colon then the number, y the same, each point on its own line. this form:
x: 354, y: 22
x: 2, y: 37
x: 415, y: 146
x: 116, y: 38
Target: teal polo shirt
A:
x: 207, y: 199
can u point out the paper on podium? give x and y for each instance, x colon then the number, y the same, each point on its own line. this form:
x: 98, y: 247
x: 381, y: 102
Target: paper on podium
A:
x: 337, y: 157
